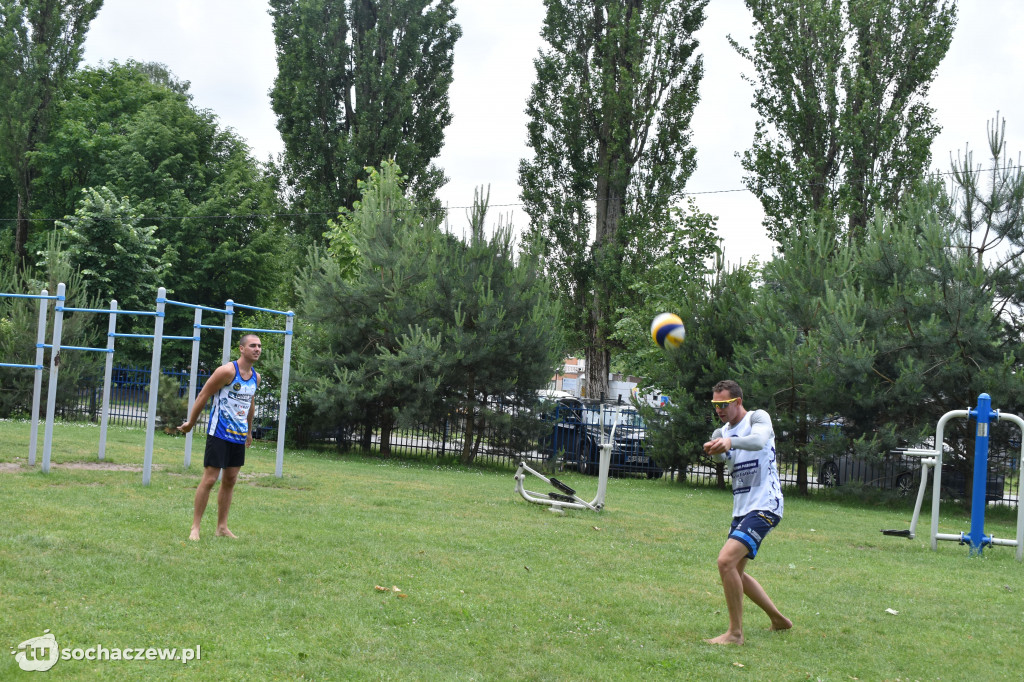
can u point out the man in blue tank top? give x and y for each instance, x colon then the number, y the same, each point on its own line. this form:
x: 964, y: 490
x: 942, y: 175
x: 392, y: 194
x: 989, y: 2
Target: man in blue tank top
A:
x: 233, y: 389
x: 746, y: 443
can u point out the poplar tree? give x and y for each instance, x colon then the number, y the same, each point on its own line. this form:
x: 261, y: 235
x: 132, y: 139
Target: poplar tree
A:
x: 609, y: 112
x: 841, y: 91
x: 40, y: 47
x: 360, y: 82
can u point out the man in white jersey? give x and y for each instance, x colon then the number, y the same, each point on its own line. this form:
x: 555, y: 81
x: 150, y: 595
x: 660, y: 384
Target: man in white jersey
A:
x: 233, y: 389
x: 746, y: 442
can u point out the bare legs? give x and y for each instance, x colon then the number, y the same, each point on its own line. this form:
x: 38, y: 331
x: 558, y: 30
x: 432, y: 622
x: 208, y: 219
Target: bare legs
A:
x: 227, y: 489
x: 735, y: 583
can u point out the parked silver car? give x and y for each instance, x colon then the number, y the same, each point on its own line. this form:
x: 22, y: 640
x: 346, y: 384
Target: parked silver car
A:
x: 902, y: 474
x: 891, y: 473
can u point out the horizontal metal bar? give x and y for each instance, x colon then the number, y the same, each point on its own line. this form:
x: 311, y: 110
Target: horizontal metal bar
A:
x: 84, y: 310
x: 193, y: 305
x: 208, y: 326
x: 265, y: 331
x: 11, y: 364
x: 151, y: 336
x: 98, y: 350
x: 266, y: 310
x: 48, y: 298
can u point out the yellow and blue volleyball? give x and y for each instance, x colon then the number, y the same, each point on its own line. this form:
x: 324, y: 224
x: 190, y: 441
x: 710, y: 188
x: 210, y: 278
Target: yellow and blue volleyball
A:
x: 668, y: 331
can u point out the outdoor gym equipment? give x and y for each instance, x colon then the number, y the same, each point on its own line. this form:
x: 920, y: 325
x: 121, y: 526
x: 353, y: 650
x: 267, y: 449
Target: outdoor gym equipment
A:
x: 976, y: 538
x: 228, y: 312
x: 157, y: 338
x: 566, y: 497
x: 44, y: 300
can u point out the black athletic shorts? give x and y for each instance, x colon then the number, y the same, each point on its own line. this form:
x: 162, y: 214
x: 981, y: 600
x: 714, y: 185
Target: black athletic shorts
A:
x: 223, y: 454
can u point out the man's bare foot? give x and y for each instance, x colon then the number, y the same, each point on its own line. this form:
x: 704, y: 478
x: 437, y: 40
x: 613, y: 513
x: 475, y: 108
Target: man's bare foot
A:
x: 225, y: 533
x: 194, y: 535
x: 726, y: 638
x: 782, y: 624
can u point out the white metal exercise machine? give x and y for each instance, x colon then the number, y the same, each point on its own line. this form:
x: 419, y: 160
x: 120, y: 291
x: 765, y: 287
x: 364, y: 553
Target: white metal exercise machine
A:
x: 566, y: 497
x: 976, y: 538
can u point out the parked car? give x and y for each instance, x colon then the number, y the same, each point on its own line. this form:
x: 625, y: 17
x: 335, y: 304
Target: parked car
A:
x: 955, y: 484
x: 577, y: 432
x: 902, y: 474
x: 898, y: 473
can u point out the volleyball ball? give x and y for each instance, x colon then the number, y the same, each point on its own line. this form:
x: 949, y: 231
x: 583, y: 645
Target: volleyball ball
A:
x: 668, y: 331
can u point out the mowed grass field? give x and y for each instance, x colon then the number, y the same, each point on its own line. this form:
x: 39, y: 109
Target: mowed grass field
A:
x: 477, y: 584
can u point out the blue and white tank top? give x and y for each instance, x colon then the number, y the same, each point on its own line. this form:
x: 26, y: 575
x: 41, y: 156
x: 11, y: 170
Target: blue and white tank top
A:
x: 229, y: 416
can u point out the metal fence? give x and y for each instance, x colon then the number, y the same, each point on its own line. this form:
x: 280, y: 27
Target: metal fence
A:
x: 129, y: 399
x: 562, y: 435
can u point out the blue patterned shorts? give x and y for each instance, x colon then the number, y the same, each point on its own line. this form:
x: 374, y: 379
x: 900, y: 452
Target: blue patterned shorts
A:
x: 751, y: 529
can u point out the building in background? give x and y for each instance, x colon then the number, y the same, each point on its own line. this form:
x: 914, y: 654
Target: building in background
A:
x: 621, y: 387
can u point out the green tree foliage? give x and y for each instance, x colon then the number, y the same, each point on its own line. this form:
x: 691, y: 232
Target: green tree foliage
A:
x: 40, y: 47
x: 366, y: 352
x: 840, y: 89
x: 425, y: 322
x: 938, y: 339
x: 118, y: 257
x: 497, y: 321
x: 874, y: 343
x: 715, y: 305
x: 360, y: 82
x: 985, y: 209
x: 19, y: 324
x: 170, y: 404
x: 609, y: 116
x: 132, y: 128
x: 805, y: 359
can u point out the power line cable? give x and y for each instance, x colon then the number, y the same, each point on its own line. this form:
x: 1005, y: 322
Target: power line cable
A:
x: 445, y: 209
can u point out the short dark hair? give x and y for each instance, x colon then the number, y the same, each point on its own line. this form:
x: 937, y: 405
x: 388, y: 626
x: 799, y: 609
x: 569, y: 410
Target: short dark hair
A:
x: 730, y: 386
x: 241, y: 341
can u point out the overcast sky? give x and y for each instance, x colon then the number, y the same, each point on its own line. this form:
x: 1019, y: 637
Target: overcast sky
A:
x: 225, y: 48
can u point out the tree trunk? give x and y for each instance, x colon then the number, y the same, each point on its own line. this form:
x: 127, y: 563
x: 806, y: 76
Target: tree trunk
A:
x: 366, y: 440
x: 467, y: 436
x: 611, y: 191
x: 387, y: 426
x: 598, y: 363
x: 481, y: 428
x: 21, y: 231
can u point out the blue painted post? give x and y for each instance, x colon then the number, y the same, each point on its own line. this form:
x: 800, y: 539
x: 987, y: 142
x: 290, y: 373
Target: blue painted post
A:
x: 982, y: 415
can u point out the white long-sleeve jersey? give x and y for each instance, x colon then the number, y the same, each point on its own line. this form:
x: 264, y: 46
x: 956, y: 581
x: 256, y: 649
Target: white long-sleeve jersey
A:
x: 755, y: 477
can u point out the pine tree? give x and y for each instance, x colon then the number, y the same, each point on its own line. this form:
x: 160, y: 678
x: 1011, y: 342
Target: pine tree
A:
x: 499, y: 327
x: 369, y: 359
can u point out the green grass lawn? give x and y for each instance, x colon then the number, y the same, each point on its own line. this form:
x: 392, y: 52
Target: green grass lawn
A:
x: 490, y: 587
